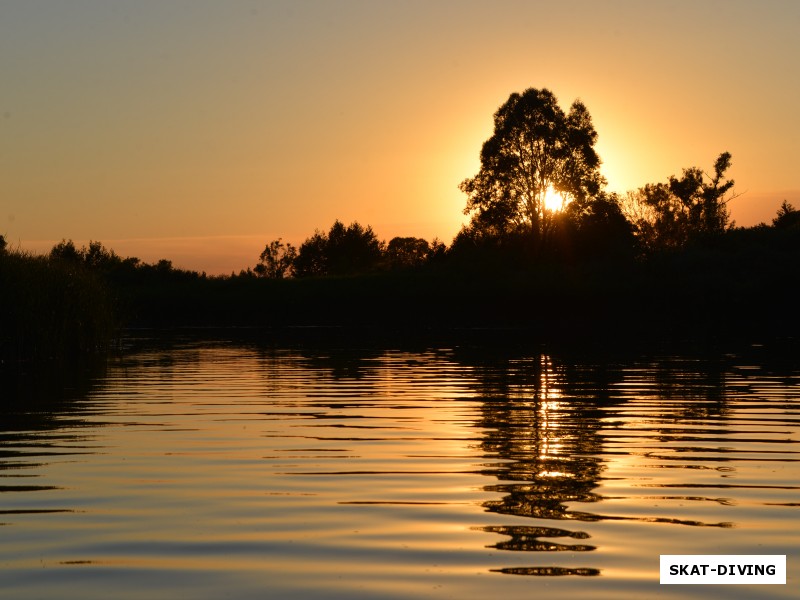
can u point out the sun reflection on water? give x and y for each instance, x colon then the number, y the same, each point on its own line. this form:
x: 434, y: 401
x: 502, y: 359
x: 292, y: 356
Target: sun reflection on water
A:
x: 343, y: 471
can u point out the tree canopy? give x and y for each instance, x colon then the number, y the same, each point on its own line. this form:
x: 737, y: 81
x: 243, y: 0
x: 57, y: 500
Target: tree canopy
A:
x: 788, y: 217
x: 276, y: 261
x: 536, y: 149
x: 344, y: 250
x: 668, y: 215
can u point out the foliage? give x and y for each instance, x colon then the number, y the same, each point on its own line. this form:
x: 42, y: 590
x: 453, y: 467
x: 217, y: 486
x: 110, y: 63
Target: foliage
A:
x: 51, y: 308
x: 311, y: 259
x: 705, y: 203
x: 438, y: 250
x: 600, y: 229
x: 277, y: 260
x: 407, y: 252
x: 588, y: 230
x: 343, y: 250
x: 669, y: 215
x: 656, y: 217
x: 788, y: 217
x: 535, y: 147
x: 65, y: 250
x: 96, y: 256
x: 515, y: 263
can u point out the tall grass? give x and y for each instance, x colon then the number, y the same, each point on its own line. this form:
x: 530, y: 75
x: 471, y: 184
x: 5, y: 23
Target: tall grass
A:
x: 50, y: 310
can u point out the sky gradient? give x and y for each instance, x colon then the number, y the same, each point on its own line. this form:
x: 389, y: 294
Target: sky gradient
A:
x: 198, y: 131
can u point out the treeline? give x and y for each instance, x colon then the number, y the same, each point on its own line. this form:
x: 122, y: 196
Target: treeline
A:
x: 644, y: 227
x: 547, y: 250
x: 598, y: 272
x: 582, y: 280
x: 344, y: 251
x: 538, y: 200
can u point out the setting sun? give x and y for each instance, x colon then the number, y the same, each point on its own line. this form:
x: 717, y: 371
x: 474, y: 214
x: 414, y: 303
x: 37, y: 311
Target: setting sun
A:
x: 553, y: 200
x: 399, y: 299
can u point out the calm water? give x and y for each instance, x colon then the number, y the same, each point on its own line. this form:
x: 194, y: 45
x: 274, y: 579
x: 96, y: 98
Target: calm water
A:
x: 210, y: 470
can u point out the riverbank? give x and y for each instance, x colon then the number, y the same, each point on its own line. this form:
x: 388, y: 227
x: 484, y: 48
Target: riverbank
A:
x: 51, y: 311
x: 737, y: 286
x: 708, y: 297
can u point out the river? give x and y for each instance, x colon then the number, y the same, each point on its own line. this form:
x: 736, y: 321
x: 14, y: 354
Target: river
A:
x: 215, y: 468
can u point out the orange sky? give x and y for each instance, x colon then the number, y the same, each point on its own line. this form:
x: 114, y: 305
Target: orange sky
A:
x: 198, y: 131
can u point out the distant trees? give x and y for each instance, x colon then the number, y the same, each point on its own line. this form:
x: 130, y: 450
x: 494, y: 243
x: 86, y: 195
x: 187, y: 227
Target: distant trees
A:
x: 668, y: 215
x: 344, y: 250
x: 526, y: 254
x: 788, y: 217
x: 66, y: 250
x: 119, y: 270
x: 277, y: 260
x: 407, y: 252
x: 95, y: 256
x: 536, y: 149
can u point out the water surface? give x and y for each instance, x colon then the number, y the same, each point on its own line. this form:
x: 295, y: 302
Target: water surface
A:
x: 212, y: 469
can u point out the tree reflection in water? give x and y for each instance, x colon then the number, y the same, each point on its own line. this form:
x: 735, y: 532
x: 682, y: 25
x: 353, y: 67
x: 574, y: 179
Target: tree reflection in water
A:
x: 34, y: 403
x: 547, y: 433
x: 544, y: 419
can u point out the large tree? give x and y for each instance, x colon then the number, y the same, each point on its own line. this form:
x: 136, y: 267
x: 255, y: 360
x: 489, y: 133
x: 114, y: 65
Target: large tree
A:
x: 536, y: 149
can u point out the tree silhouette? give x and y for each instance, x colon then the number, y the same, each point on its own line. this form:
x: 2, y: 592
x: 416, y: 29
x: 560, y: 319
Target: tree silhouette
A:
x: 536, y: 147
x: 311, y: 258
x: 66, y: 250
x: 668, y: 215
x: 598, y: 228
x: 344, y: 250
x: 276, y: 261
x: 704, y: 203
x: 97, y: 256
x: 407, y: 252
x: 788, y: 216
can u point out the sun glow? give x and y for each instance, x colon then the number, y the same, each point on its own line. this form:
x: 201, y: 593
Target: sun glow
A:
x: 554, y: 201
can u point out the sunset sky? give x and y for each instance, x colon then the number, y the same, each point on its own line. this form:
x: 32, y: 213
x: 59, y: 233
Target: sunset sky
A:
x: 198, y: 131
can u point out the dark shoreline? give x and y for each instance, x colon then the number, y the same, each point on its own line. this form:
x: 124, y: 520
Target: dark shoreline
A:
x: 740, y: 287
x: 633, y: 304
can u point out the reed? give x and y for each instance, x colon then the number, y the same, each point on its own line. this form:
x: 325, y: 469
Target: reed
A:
x: 50, y: 310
